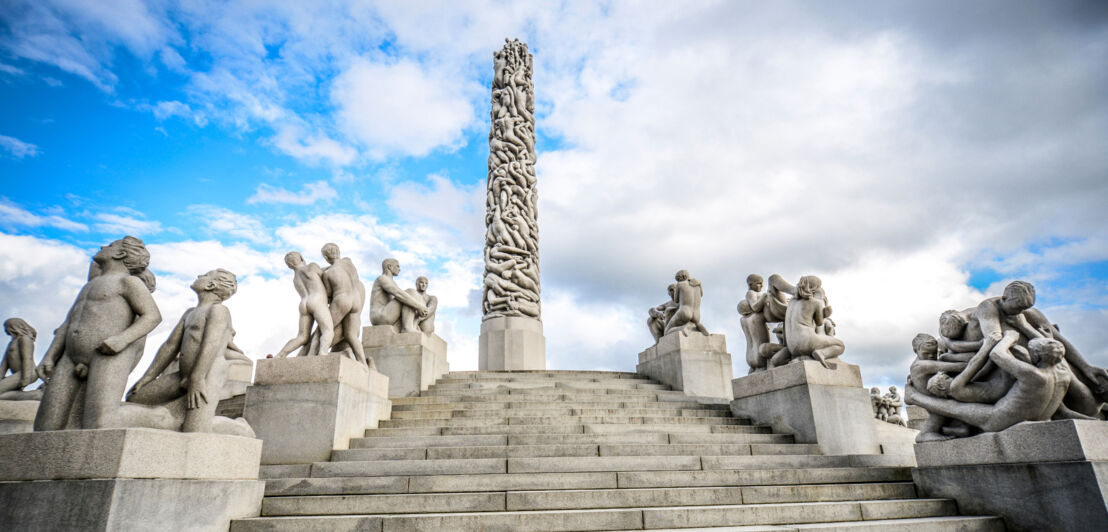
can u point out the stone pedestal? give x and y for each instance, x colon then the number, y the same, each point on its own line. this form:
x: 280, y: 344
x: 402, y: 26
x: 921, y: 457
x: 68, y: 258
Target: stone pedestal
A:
x: 127, y: 480
x: 695, y: 364
x: 817, y: 405
x: 17, y: 416
x: 1039, y: 476
x: 303, y: 407
x: 412, y: 361
x: 510, y: 344
x: 239, y: 375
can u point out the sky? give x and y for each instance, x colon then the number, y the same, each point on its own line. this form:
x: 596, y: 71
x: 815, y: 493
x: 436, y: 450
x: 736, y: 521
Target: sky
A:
x: 916, y: 156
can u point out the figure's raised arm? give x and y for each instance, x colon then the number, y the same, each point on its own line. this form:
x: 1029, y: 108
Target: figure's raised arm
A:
x: 404, y: 297
x: 1002, y: 356
x: 147, y: 316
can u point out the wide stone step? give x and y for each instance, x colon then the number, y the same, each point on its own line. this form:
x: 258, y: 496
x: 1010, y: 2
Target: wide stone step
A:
x: 527, y: 451
x: 922, y: 524
x: 559, y: 410
x: 649, y: 438
x: 592, y: 428
x: 612, y: 384
x: 613, y: 519
x: 543, y: 396
x: 587, y: 480
x: 579, y: 499
x: 561, y: 420
x: 549, y: 374
x: 570, y: 393
x: 600, y: 401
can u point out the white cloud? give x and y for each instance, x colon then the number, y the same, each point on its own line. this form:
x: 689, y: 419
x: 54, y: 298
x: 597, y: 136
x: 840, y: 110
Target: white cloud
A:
x: 17, y: 148
x: 453, y: 205
x: 220, y: 221
x: 12, y: 215
x: 128, y: 225
x: 401, y: 107
x: 291, y: 140
x: 311, y: 193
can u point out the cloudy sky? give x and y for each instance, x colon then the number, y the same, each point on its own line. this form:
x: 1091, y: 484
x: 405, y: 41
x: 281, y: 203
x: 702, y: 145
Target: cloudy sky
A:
x: 915, y: 155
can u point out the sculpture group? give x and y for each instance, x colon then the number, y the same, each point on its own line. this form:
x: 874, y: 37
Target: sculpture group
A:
x: 802, y: 323
x: 997, y: 364
x: 887, y: 407
x: 681, y: 312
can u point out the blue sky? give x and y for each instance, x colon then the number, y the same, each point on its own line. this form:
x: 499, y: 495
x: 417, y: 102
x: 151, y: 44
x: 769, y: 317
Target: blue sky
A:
x: 917, y: 157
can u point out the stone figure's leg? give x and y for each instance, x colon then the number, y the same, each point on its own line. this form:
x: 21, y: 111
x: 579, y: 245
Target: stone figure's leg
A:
x: 932, y: 429
x: 10, y: 383
x: 58, y: 399
x: 388, y: 314
x: 303, y: 335
x: 324, y: 322
x: 427, y: 324
x: 980, y: 415
x: 162, y: 390
x: 351, y: 330
x: 107, y: 380
x: 407, y: 319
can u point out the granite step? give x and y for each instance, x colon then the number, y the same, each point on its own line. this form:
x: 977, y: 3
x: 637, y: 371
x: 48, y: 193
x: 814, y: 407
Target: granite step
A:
x: 404, y: 404
x: 548, y: 395
x: 550, y: 410
x: 525, y: 451
x: 469, y: 394
x: 614, y: 384
x: 922, y: 524
x: 613, y: 519
x: 592, y: 428
x: 561, y: 420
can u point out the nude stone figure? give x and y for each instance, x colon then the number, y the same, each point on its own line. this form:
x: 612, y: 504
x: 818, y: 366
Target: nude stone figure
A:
x: 103, y: 337
x: 198, y: 343
x: 19, y: 357
x: 687, y: 316
x: 804, y: 324
x: 346, y: 297
x: 308, y: 279
x: 387, y: 301
x: 661, y: 314
x: 753, y: 322
x: 410, y: 318
x: 1036, y: 394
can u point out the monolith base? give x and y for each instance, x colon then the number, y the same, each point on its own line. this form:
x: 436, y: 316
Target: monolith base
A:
x: 511, y: 344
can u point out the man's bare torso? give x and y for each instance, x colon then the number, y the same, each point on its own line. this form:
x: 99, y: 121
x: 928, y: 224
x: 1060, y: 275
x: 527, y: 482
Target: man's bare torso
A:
x: 99, y: 312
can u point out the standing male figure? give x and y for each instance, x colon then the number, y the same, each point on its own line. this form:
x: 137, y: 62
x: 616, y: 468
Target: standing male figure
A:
x: 104, y: 334
x: 347, y: 297
x: 307, y: 277
x: 387, y: 301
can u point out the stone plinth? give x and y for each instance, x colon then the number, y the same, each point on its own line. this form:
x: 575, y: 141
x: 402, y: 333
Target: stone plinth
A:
x: 817, y: 405
x: 1039, y: 476
x: 239, y: 375
x: 695, y: 364
x: 127, y: 479
x: 511, y: 343
x: 303, y: 407
x: 17, y: 416
x: 412, y: 361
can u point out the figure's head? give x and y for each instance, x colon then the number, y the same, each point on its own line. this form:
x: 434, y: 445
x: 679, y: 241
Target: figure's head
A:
x: 390, y: 266
x: 17, y: 326
x: 1018, y: 297
x: 682, y: 275
x: 1046, y: 351
x: 893, y: 390
x: 128, y: 250
x: 925, y: 346
x: 330, y: 252
x: 939, y: 385
x: 754, y: 282
x: 672, y: 289
x: 220, y: 282
x: 808, y: 286
x: 294, y: 259
x: 952, y: 324
x: 421, y: 284
x: 875, y: 391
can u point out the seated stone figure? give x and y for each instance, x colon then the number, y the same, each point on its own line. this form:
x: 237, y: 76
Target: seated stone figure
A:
x: 387, y: 301
x: 893, y: 402
x: 99, y: 343
x: 424, y: 323
x: 687, y: 316
x: 19, y: 358
x: 805, y: 332
x: 753, y: 322
x: 186, y: 399
x: 660, y: 314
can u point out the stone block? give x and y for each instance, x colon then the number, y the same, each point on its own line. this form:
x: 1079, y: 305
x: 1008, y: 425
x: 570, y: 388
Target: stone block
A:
x: 412, y: 361
x: 303, y: 407
x: 1049, y: 475
x: 127, y: 453
x: 695, y: 364
x: 813, y: 403
x: 17, y: 416
x: 239, y: 375
x: 916, y: 416
x: 511, y: 343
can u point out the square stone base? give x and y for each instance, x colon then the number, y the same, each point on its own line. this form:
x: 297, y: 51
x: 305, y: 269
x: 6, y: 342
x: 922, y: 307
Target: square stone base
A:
x: 815, y: 404
x: 695, y: 364
x: 1039, y: 476
x: 412, y: 361
x: 17, y: 416
x: 127, y: 479
x: 303, y: 407
x: 511, y: 344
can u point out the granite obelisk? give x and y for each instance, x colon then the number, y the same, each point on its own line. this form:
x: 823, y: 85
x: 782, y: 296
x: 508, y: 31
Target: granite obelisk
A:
x: 511, y: 329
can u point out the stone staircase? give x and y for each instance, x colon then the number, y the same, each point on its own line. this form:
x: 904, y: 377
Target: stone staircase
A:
x: 589, y: 450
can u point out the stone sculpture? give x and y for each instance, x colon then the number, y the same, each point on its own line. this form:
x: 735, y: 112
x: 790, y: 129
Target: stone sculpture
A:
x: 687, y: 294
x: 511, y: 284
x: 802, y: 324
x: 346, y: 298
x: 19, y: 358
x: 661, y: 314
x: 1004, y: 363
x: 99, y: 343
x: 404, y: 310
x: 308, y: 279
x: 423, y: 323
x: 186, y: 377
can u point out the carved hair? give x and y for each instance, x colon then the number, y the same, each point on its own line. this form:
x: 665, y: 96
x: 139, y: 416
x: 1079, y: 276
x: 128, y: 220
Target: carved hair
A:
x: 1021, y: 292
x: 680, y: 274
x: 135, y: 256
x: 808, y: 286
x: 147, y: 278
x: 223, y: 283
x: 953, y: 318
x: 753, y: 278
x: 939, y: 385
x: 290, y: 255
x: 330, y: 246
x: 17, y: 326
x: 385, y: 264
x: 923, y: 339
x: 1046, y: 347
